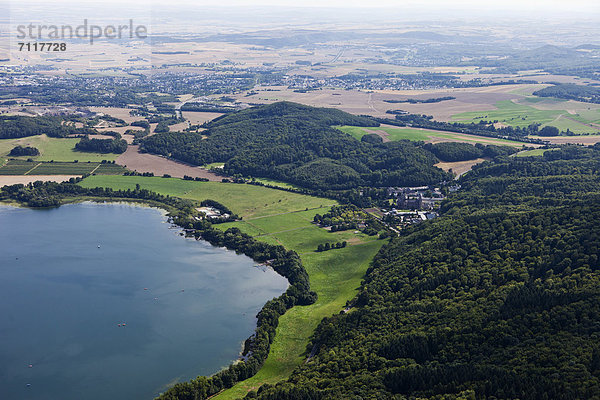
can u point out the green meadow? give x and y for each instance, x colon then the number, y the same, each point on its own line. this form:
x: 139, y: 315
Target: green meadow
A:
x: 273, y: 182
x: 522, y: 115
x: 285, y: 218
x: 335, y: 275
x: 532, y: 153
x: 245, y: 200
x: 53, y: 149
x: 399, y: 133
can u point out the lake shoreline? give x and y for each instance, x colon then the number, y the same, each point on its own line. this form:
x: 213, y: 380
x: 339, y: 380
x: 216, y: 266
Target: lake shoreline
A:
x: 299, y: 292
x: 107, y: 249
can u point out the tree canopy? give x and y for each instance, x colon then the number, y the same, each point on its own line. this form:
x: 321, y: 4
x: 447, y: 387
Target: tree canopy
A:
x: 297, y: 144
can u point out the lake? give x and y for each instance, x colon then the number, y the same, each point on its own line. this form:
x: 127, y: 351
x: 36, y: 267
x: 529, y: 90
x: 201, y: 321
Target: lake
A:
x: 70, y: 275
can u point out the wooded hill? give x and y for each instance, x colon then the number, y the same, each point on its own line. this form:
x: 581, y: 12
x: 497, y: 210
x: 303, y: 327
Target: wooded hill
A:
x: 18, y: 126
x: 498, y: 298
x: 297, y: 144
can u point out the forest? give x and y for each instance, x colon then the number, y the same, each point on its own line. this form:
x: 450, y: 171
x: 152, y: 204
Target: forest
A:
x: 16, y: 126
x: 116, y: 145
x: 19, y: 151
x: 570, y: 91
x: 456, y: 151
x: 498, y: 298
x: 422, y: 101
x: 297, y: 144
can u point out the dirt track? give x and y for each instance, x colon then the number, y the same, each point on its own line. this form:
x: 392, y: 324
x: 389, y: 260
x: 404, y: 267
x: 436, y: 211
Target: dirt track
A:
x: 582, y: 139
x: 144, y: 162
x: 25, y: 179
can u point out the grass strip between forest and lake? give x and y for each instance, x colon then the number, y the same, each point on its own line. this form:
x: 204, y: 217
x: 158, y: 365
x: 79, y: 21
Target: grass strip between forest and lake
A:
x: 278, y: 217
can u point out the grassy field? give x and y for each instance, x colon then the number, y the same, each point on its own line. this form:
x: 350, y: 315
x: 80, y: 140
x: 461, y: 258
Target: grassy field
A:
x: 334, y: 275
x: 532, y: 153
x: 53, y: 149
x: 214, y: 165
x: 564, y: 122
x: 296, y: 231
x: 425, y: 135
x: 523, y: 115
x: 273, y: 182
x: 245, y: 200
x: 23, y: 167
x: 589, y: 115
x: 279, y: 217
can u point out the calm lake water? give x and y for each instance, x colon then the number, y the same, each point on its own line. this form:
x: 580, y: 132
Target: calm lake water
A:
x: 63, y: 298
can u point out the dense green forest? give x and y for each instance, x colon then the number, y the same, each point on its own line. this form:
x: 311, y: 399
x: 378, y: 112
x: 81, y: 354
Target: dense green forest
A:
x: 570, y: 91
x: 16, y: 126
x: 296, y: 143
x: 422, y: 101
x: 116, y: 145
x: 455, y: 151
x: 19, y: 151
x: 498, y: 298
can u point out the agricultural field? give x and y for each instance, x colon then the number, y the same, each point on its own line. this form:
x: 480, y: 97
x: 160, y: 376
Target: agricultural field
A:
x: 585, y: 140
x: 53, y: 149
x: 27, y: 179
x: 506, y: 103
x: 23, y: 167
x: 538, y: 110
x: 16, y: 167
x: 459, y: 167
x: 146, y: 162
x: 121, y: 113
x: 279, y: 217
x: 199, y: 117
x: 376, y: 102
x: 392, y: 133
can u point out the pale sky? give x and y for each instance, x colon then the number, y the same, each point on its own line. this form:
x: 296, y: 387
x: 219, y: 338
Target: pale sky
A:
x: 572, y: 10
x: 592, y: 5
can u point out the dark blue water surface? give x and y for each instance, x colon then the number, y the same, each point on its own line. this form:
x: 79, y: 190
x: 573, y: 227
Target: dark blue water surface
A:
x: 62, y: 298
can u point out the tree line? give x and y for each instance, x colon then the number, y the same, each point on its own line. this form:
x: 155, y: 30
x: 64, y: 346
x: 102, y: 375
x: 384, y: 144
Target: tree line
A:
x: 18, y: 126
x: 571, y: 91
x: 116, y: 145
